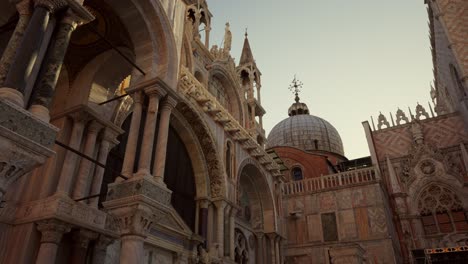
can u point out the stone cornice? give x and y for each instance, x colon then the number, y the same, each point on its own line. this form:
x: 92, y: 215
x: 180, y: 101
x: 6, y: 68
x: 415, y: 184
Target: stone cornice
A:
x: 191, y: 88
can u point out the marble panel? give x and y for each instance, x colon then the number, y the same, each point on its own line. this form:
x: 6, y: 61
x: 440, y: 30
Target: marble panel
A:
x: 314, y: 233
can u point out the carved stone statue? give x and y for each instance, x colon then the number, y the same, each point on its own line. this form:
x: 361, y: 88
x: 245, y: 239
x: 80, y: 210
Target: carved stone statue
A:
x: 227, y: 39
x: 416, y: 130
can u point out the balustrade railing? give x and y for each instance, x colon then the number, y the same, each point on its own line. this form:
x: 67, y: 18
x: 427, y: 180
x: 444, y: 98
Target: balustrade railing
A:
x: 325, y: 182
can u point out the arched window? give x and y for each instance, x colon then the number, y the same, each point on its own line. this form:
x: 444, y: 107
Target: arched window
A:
x: 217, y: 89
x: 296, y: 174
x: 441, y: 211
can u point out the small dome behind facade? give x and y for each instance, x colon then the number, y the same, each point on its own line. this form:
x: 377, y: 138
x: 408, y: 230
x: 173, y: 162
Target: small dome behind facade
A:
x: 303, y: 130
x: 306, y: 132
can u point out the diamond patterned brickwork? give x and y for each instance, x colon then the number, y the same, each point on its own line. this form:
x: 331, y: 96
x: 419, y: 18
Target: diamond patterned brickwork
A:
x: 454, y: 17
x: 441, y: 132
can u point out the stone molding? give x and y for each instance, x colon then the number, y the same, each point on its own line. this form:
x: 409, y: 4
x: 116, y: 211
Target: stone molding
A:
x: 63, y: 208
x: 51, y: 5
x: 139, y: 186
x: 52, y: 230
x: 138, y: 203
x: 191, y: 88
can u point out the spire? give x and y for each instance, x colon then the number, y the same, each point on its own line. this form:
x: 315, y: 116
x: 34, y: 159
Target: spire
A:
x: 247, y: 56
x: 297, y: 108
x: 296, y: 87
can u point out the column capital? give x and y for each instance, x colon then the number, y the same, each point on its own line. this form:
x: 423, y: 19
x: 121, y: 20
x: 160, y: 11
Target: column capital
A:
x: 137, y: 97
x: 76, y: 14
x: 94, y: 126
x: 157, y: 91
x: 79, y: 116
x: 220, y: 204
x: 51, y: 5
x: 272, y: 236
x: 52, y: 230
x: 204, y: 202
x: 134, y: 221
x: 110, y: 135
x: 82, y: 237
x: 259, y: 235
x: 169, y: 103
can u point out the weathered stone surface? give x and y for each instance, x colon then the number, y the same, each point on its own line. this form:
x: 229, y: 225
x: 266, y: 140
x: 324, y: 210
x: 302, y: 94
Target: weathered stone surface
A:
x: 139, y: 186
x: 25, y: 124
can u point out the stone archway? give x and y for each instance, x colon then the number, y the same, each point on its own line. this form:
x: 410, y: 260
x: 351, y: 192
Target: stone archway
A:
x: 213, y: 160
x: 195, y: 151
x: 253, y: 181
x: 152, y: 36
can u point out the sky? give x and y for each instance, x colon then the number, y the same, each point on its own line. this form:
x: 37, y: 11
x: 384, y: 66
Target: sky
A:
x: 355, y: 58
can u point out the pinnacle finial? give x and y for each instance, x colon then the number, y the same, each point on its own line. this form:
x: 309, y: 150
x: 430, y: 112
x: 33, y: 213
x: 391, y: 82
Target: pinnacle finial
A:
x: 246, y: 34
x: 295, y: 88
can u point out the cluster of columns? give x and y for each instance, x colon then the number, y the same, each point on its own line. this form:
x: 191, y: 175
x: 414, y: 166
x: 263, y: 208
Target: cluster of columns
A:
x: 196, y: 25
x: 158, y: 98
x: 77, y: 179
x: 52, y: 233
x: 31, y: 63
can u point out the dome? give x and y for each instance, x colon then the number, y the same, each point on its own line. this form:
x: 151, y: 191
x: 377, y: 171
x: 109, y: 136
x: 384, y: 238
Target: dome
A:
x: 304, y: 131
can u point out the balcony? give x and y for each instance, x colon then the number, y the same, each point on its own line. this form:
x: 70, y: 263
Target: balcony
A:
x: 333, y: 181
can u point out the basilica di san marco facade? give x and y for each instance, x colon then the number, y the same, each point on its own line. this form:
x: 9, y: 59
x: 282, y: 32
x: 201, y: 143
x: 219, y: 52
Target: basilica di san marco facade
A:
x: 126, y: 137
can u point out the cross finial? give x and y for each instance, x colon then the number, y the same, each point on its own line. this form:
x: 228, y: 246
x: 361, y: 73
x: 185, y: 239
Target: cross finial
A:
x: 295, y: 88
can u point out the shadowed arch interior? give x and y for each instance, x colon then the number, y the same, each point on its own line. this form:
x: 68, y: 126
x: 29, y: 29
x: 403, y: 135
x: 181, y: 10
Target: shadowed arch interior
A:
x: 179, y: 174
x: 252, y: 181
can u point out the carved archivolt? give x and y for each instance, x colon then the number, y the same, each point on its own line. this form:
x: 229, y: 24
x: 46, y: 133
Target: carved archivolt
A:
x: 215, y: 168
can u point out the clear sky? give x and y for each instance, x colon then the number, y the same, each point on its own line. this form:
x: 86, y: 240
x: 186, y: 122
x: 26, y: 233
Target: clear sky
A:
x: 355, y: 57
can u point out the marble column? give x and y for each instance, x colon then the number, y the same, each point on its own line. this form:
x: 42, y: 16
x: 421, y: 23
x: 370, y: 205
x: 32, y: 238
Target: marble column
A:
x: 81, y: 239
x: 161, y: 145
x: 272, y: 253
x: 83, y: 179
x: 52, y: 232
x: 131, y: 148
x: 154, y: 94
x: 207, y: 36
x: 203, y: 218
x: 210, y: 226
x: 232, y: 227
x: 25, y: 57
x: 48, y: 76
x: 260, y: 247
x: 100, y: 249
x: 107, y: 142
x: 220, y: 205
x: 135, y: 222
x: 132, y: 249
x: 67, y: 173
x: 24, y: 9
x: 277, y: 249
